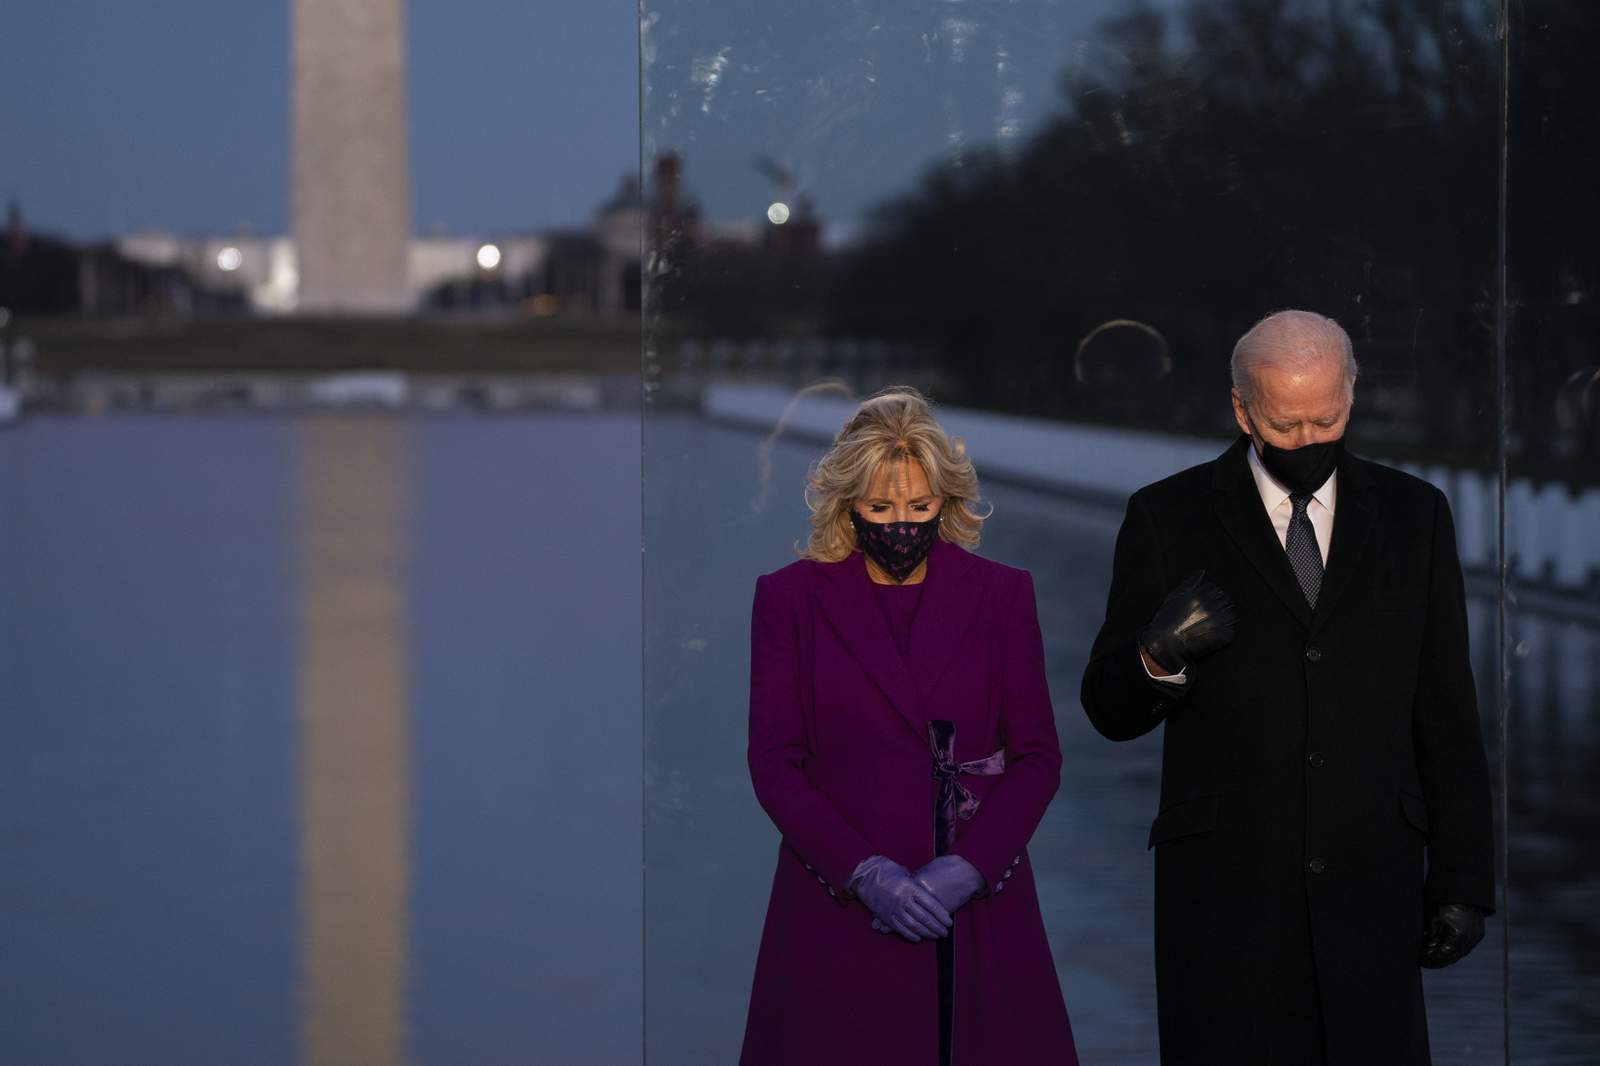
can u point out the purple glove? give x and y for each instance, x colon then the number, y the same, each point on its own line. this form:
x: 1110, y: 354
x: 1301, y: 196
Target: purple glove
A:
x: 952, y: 879
x: 897, y: 901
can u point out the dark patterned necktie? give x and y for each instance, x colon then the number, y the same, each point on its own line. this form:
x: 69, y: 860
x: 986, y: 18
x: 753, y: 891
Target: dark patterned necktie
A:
x: 1301, y: 544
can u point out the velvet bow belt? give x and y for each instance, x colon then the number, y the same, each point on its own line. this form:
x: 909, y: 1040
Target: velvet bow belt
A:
x: 954, y: 799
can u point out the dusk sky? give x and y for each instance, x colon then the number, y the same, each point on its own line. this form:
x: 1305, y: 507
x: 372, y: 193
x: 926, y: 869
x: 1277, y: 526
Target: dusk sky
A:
x: 855, y: 99
x: 174, y: 114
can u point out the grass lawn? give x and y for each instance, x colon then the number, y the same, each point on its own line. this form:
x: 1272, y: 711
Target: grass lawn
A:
x: 561, y: 344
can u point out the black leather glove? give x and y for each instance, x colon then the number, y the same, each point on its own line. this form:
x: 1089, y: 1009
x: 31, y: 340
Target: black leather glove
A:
x: 1453, y: 930
x: 1196, y: 619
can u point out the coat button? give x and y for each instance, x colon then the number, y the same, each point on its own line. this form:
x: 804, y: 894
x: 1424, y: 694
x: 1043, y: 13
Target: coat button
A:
x: 1317, y: 866
x: 1313, y: 655
x: 1316, y: 758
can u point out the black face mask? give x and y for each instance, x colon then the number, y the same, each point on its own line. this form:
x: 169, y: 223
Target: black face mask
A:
x: 1302, y: 469
x: 897, y: 547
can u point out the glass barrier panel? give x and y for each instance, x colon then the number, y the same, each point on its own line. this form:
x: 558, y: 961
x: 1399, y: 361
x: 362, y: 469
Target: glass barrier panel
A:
x: 1055, y: 220
x: 1552, y: 531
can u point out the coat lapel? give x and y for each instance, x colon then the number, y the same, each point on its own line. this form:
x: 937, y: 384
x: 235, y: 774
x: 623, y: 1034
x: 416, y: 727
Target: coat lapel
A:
x: 1238, y: 508
x: 847, y: 600
x: 1353, y: 519
x: 949, y: 600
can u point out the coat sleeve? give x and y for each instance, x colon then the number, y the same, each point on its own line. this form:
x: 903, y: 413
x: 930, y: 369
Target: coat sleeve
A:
x: 1449, y: 743
x: 1005, y: 821
x: 778, y: 751
x: 1122, y: 700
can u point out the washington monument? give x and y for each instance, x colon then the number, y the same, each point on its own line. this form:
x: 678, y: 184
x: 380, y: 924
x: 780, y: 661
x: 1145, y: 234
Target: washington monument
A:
x: 352, y: 198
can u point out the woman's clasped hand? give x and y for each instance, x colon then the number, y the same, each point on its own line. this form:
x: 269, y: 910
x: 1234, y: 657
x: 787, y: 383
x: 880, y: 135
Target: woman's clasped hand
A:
x: 898, y: 901
x: 949, y: 879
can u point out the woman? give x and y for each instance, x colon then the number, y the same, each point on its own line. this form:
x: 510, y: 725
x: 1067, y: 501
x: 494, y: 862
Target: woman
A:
x: 902, y: 740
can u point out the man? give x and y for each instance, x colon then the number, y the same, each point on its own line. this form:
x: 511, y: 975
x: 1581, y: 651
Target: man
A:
x: 1295, y: 617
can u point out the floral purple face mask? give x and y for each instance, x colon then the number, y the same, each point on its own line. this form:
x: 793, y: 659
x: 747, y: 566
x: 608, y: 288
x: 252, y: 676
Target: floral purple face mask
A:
x: 897, y: 547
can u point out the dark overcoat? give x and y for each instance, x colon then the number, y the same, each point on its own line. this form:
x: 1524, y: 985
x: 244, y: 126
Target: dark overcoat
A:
x: 1323, y: 777
x: 840, y: 759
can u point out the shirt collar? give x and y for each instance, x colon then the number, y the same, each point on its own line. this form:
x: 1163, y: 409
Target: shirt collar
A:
x: 1273, y: 494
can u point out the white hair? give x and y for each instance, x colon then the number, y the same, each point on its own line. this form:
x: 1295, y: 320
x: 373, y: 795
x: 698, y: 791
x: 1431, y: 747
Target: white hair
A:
x: 1292, y: 340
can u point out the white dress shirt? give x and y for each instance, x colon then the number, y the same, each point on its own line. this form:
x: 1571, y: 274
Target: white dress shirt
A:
x: 1275, y: 498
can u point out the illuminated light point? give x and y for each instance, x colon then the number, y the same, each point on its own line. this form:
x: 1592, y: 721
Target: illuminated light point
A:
x: 778, y: 213
x: 489, y: 257
x: 230, y: 259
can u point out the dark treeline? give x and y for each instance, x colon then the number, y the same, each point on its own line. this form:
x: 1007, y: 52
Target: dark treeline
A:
x: 1233, y: 158
x: 1257, y: 154
x: 43, y: 275
x: 1553, y: 239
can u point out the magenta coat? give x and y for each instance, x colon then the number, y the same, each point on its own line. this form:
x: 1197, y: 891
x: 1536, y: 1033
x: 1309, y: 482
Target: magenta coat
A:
x: 840, y: 760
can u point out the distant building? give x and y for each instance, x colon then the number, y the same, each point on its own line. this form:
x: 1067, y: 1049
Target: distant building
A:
x: 596, y: 269
x: 619, y: 230
x: 264, y: 270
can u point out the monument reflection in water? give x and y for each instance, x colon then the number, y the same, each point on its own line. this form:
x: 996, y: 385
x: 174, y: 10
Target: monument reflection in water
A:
x: 352, y: 566
x: 318, y: 741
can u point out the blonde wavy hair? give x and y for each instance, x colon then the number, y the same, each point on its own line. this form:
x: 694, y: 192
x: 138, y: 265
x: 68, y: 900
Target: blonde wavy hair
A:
x: 895, y: 423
